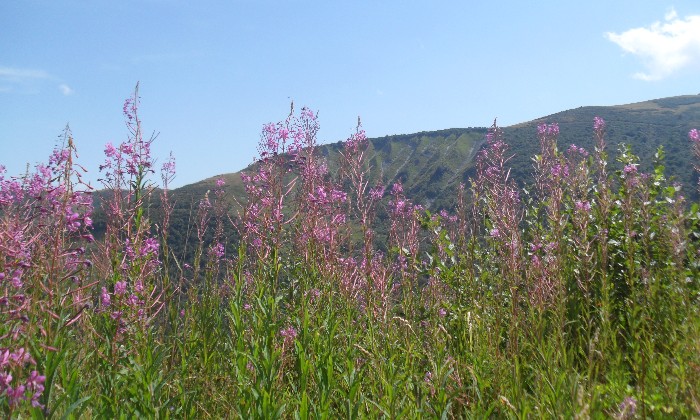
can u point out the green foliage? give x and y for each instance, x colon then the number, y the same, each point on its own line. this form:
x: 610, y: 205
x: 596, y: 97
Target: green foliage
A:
x: 595, y: 312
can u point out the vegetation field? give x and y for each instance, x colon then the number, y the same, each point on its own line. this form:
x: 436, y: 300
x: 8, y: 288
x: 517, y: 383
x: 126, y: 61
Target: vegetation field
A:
x: 567, y: 289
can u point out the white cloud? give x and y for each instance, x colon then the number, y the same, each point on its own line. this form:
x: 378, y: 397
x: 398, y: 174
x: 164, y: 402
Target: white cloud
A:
x: 65, y: 89
x: 15, y: 75
x: 28, y: 81
x: 664, y: 47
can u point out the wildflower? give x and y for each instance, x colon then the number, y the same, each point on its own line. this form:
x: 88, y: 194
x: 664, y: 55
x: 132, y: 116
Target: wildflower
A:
x: 598, y: 124
x: 169, y: 166
x: 314, y: 293
x: 548, y: 129
x: 694, y: 135
x: 289, y: 334
x: 628, y: 407
x: 584, y: 206
x: 376, y: 193
x: 129, y: 108
x: 133, y: 300
x: 218, y: 251
x: 120, y: 288
x: 630, y: 169
x: 35, y: 383
x: 105, y: 298
x: 150, y: 246
x: 442, y: 312
x: 495, y: 233
x: 558, y: 170
x: 307, y: 113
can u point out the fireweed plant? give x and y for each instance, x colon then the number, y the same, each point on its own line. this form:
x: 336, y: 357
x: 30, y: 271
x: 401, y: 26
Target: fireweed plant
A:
x: 576, y: 296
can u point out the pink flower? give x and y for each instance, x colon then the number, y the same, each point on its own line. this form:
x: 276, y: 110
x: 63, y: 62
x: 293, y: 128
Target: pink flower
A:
x: 376, y: 193
x: 150, y: 246
x: 694, y: 135
x: 598, y: 124
x: 105, y: 298
x: 289, y: 334
x: 120, y: 288
x: 548, y: 129
x: 584, y: 206
x: 218, y: 250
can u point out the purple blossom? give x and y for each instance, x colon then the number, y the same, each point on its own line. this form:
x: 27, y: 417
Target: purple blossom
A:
x: 167, y: 170
x: 150, y: 246
x: 218, y: 250
x: 628, y: 407
x: 111, y: 151
x: 598, y: 124
x: 376, y: 193
x: 105, y: 298
x: 694, y: 135
x: 129, y: 108
x: 560, y: 171
x: 339, y: 196
x: 630, y: 169
x: 307, y: 113
x: 356, y: 142
x: 120, y: 288
x: 548, y: 130
x: 584, y: 206
x: 289, y: 334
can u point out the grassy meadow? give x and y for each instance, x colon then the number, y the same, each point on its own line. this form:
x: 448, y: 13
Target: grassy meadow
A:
x: 575, y: 297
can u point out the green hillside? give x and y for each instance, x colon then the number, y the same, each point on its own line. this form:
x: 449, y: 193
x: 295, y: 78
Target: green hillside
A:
x: 644, y: 125
x: 431, y: 165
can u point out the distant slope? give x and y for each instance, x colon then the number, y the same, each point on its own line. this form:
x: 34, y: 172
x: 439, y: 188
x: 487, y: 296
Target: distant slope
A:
x: 432, y: 164
x: 644, y: 125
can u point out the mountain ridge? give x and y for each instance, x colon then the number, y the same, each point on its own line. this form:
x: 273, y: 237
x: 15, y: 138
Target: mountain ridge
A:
x: 430, y: 162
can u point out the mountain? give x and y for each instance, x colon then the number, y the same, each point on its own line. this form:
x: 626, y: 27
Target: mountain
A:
x: 431, y: 165
x: 644, y: 126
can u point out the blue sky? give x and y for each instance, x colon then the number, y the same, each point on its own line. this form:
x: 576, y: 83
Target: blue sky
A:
x: 212, y: 73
